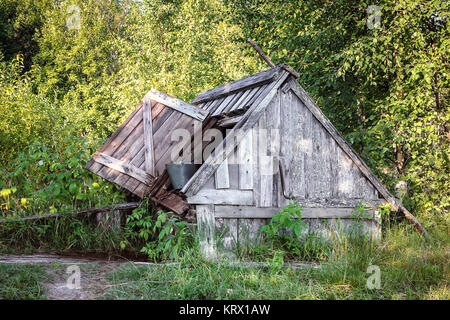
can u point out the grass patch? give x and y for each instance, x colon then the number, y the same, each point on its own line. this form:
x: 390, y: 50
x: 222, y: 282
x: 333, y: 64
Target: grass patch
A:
x: 22, y: 282
x: 411, y: 268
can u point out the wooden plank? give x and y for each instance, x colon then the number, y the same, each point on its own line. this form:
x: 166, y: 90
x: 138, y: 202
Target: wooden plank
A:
x: 177, y: 104
x: 245, y: 162
x: 247, y: 212
x: 338, y: 203
x: 275, y: 147
x: 123, y: 167
x: 229, y: 122
x: 148, y: 139
x: 230, y: 106
x: 394, y: 203
x: 114, y: 207
x: 94, y: 166
x: 224, y: 104
x: 315, y: 110
x: 222, y: 177
x: 265, y: 163
x: 206, y: 230
x: 227, y: 196
x: 239, y: 103
x: 224, y: 149
x: 239, y: 85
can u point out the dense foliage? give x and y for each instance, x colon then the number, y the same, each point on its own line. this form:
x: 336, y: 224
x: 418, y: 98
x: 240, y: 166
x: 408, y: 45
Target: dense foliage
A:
x: 71, y: 71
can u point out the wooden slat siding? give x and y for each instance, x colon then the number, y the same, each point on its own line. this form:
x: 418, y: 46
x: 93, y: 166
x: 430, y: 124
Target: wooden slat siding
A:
x: 339, y: 203
x: 264, y: 163
x: 135, y: 156
x: 215, y: 103
x: 139, y: 162
x: 229, y: 122
x: 159, y: 121
x: 135, y: 135
x: 148, y: 139
x: 126, y: 151
x: 320, y: 151
x: 239, y: 85
x: 255, y: 165
x: 224, y: 104
x: 248, y: 121
x: 162, y: 137
x: 135, y: 144
x: 221, y: 176
x: 245, y: 162
x: 233, y: 172
x: 243, y: 104
x: 239, y: 102
x: 156, y: 109
x: 309, y: 103
x: 94, y: 166
x: 118, y: 138
x: 177, y: 104
x: 224, y: 196
x: 249, y: 212
x: 206, y: 230
x: 256, y: 95
x: 288, y: 146
x: 165, y: 157
x: 230, y: 105
x: 274, y: 125
x: 123, y: 167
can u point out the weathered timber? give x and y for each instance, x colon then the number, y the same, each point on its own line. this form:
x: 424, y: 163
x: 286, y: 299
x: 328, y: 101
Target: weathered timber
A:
x: 245, y: 83
x: 224, y: 149
x: 229, y: 122
x: 222, y: 177
x: 245, y: 162
x: 123, y: 167
x: 148, y: 139
x: 247, y: 212
x: 315, y: 110
x: 261, y: 53
x: 120, y: 206
x: 177, y: 104
x: 224, y: 196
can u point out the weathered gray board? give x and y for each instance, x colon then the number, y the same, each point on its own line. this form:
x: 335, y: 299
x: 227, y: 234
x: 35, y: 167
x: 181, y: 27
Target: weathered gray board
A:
x: 246, y: 190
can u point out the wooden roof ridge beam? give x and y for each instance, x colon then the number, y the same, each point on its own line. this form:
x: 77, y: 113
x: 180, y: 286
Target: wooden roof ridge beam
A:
x: 254, y: 80
x: 249, y: 82
x: 177, y: 104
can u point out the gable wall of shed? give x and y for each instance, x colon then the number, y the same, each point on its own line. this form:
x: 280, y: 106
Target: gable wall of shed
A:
x: 246, y: 190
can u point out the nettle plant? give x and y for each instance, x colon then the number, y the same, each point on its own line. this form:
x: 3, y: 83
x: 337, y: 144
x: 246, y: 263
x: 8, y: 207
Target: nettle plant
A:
x: 289, y: 219
x: 163, y: 234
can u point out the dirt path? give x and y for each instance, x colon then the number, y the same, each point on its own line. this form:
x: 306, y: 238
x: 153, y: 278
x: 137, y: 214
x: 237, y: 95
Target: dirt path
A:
x: 93, y: 274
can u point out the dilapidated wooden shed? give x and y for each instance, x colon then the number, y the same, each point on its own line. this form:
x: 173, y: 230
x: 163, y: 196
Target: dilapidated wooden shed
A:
x: 276, y: 145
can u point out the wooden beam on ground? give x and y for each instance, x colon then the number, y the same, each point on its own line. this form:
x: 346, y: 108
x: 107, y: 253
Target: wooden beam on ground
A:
x: 123, y: 167
x: 120, y: 206
x: 177, y: 104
